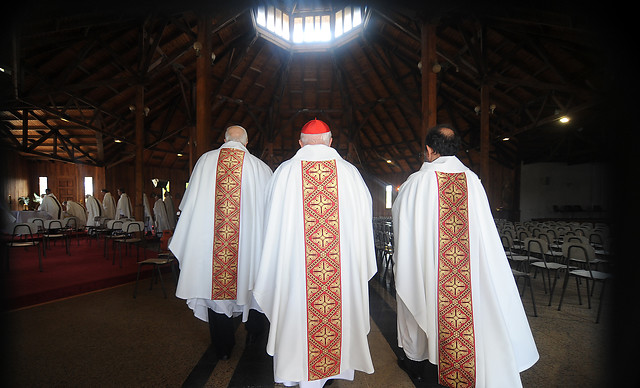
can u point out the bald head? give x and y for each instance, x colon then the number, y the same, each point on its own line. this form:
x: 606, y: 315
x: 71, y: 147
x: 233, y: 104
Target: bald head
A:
x: 236, y: 133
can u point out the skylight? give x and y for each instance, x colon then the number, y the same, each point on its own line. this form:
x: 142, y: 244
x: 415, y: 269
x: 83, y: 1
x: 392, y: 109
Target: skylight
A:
x: 302, y: 29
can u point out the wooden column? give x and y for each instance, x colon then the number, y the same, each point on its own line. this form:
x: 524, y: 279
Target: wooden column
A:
x: 138, y: 207
x: 429, y: 79
x: 192, y: 148
x: 485, y: 143
x: 203, y: 88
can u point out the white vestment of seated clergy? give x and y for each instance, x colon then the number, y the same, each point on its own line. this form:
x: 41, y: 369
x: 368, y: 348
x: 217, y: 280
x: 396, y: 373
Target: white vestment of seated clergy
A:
x: 94, y: 209
x: 109, y: 206
x: 51, y: 205
x: 124, y: 209
x: 161, y: 218
x: 78, y: 211
x: 172, y: 217
x: 193, y: 241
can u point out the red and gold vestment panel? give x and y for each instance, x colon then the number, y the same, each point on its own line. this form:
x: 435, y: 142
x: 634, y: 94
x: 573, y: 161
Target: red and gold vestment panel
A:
x: 456, y: 340
x: 224, y: 285
x: 323, y: 275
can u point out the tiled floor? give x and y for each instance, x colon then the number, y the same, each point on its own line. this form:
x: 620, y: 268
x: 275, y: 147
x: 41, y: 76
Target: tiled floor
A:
x: 109, y: 339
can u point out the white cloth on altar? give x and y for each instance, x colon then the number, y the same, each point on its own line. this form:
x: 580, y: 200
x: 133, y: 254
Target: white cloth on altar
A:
x: 503, y: 339
x: 161, y: 219
x: 124, y: 209
x: 280, y: 287
x: 109, y: 206
x: 74, y: 209
x: 192, y: 241
x: 172, y: 218
x: 51, y: 205
x: 94, y: 209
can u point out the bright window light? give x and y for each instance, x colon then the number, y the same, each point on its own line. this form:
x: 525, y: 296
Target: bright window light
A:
x: 42, y: 184
x: 339, y: 23
x: 308, y: 27
x: 388, y: 196
x: 261, y: 17
x: 88, y: 185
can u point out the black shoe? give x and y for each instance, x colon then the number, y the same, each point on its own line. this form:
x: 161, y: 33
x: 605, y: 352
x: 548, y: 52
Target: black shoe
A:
x: 406, y: 366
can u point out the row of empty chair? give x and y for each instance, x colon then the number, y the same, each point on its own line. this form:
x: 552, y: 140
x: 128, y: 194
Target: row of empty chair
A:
x: 559, y: 250
x: 383, y: 240
x: 38, y: 234
x: 42, y: 233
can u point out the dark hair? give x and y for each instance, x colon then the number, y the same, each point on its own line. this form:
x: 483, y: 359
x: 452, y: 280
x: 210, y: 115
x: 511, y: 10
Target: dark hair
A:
x: 443, y: 139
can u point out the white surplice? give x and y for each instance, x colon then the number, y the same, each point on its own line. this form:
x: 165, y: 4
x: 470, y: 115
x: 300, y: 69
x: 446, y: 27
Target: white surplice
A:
x: 124, y: 209
x: 280, y: 287
x: 94, y: 209
x: 192, y: 241
x: 51, y: 205
x: 109, y: 206
x: 78, y: 211
x: 503, y: 339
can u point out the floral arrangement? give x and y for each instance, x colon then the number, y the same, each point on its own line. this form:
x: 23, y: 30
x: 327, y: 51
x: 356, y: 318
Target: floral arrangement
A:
x: 26, y: 201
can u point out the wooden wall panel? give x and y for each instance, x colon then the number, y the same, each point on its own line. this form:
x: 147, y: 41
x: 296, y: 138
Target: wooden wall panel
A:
x: 66, y: 180
x: 15, y: 183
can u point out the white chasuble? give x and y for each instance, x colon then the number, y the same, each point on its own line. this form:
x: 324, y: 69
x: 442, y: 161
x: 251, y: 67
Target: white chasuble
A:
x: 318, y: 256
x: 458, y: 305
x: 218, y: 238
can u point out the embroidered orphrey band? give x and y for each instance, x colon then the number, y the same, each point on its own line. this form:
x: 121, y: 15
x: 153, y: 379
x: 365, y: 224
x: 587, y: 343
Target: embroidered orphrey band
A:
x: 456, y: 341
x: 322, y: 254
x: 226, y: 229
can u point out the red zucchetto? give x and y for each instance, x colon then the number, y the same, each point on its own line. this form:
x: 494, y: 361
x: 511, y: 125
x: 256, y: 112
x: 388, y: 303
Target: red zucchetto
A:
x: 315, y: 127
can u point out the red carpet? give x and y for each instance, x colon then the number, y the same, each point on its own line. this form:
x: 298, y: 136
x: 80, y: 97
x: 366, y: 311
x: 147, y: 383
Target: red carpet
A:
x: 85, y: 270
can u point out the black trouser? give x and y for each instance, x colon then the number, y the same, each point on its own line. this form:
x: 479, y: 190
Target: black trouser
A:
x: 222, y: 332
x: 257, y: 326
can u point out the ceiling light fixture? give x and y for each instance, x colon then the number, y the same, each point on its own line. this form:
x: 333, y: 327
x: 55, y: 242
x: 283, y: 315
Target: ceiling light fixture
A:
x: 436, y: 67
x: 198, y: 47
